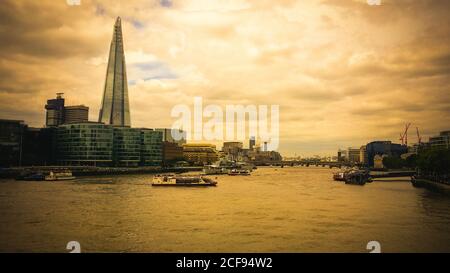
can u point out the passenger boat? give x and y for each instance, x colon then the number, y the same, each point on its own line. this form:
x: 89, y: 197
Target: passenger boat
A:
x: 214, y: 170
x: 182, y: 181
x: 59, y: 176
x: 236, y: 172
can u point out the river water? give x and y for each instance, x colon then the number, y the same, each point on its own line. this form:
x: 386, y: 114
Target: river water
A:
x: 292, y: 209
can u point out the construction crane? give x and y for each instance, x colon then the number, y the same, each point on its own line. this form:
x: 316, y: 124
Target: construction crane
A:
x: 419, y: 138
x: 404, y: 136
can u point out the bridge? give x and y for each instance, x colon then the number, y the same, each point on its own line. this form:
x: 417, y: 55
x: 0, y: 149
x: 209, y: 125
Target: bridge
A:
x: 306, y: 163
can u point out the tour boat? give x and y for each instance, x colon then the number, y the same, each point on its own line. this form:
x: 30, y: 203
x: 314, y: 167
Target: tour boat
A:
x: 214, y: 170
x: 59, y: 176
x: 182, y: 181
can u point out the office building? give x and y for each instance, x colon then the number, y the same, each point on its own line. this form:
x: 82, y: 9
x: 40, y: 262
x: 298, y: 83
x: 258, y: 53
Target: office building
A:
x: 381, y: 148
x: 200, y: 154
x: 151, y: 147
x: 76, y: 114
x: 172, y: 153
x: 11, y: 139
x: 126, y: 147
x: 233, y: 150
x: 55, y: 111
x: 39, y: 146
x: 84, y: 144
x: 353, y: 155
x: 442, y: 141
x: 115, y: 109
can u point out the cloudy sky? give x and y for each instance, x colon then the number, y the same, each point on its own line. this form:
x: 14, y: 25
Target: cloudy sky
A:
x: 343, y: 72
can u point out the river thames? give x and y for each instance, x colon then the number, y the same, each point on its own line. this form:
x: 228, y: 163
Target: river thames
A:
x: 292, y: 209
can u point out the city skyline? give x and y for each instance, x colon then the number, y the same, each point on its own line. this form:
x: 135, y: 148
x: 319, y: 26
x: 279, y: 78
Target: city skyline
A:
x: 346, y: 73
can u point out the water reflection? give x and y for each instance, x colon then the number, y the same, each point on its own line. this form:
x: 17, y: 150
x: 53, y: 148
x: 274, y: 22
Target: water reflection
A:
x: 295, y: 209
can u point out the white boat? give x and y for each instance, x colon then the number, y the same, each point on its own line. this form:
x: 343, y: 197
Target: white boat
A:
x: 214, y: 170
x: 59, y: 176
x: 182, y: 181
x: 236, y: 172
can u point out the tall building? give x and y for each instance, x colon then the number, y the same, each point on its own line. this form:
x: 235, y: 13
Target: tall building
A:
x: 55, y: 111
x: 76, y: 114
x: 442, y: 141
x: 115, y: 109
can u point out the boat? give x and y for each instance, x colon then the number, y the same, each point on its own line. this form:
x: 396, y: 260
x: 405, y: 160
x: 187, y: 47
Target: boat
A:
x: 235, y: 172
x: 182, y: 181
x: 59, y: 176
x: 339, y: 176
x: 214, y: 170
x: 357, y: 177
x: 31, y: 177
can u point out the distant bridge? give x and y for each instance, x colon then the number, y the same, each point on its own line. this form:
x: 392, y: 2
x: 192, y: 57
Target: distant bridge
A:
x: 306, y: 163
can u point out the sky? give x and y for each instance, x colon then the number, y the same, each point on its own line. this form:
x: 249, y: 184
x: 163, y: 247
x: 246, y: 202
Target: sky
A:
x: 343, y: 72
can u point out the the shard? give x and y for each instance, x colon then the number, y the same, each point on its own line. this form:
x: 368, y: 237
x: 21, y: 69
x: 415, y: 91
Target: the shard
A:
x: 115, y: 109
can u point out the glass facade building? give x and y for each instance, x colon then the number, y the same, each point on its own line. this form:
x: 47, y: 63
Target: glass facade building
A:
x: 115, y: 109
x: 126, y: 146
x: 84, y: 144
x: 55, y: 111
x: 151, y: 147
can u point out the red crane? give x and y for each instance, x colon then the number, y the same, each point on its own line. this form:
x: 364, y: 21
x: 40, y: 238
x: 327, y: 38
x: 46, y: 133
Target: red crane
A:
x: 404, y: 136
x: 419, y: 138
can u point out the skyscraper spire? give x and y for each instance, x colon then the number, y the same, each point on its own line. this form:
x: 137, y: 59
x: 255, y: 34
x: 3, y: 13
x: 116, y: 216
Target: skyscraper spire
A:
x: 115, y: 109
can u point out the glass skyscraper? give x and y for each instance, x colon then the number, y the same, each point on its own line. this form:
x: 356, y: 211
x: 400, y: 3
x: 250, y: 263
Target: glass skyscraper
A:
x: 115, y: 109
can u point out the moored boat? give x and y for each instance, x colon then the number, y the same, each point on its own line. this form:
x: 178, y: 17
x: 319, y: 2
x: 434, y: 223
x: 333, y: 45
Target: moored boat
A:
x: 31, y: 177
x: 357, y: 177
x: 339, y: 176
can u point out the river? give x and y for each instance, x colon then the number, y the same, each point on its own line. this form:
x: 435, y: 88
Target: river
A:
x: 291, y: 209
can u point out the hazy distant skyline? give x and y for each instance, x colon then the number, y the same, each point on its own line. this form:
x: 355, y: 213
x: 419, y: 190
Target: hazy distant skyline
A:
x: 343, y: 72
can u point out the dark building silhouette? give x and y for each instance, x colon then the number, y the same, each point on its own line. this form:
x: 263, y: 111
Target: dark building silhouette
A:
x: 384, y: 148
x: 55, y: 111
x: 11, y: 139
